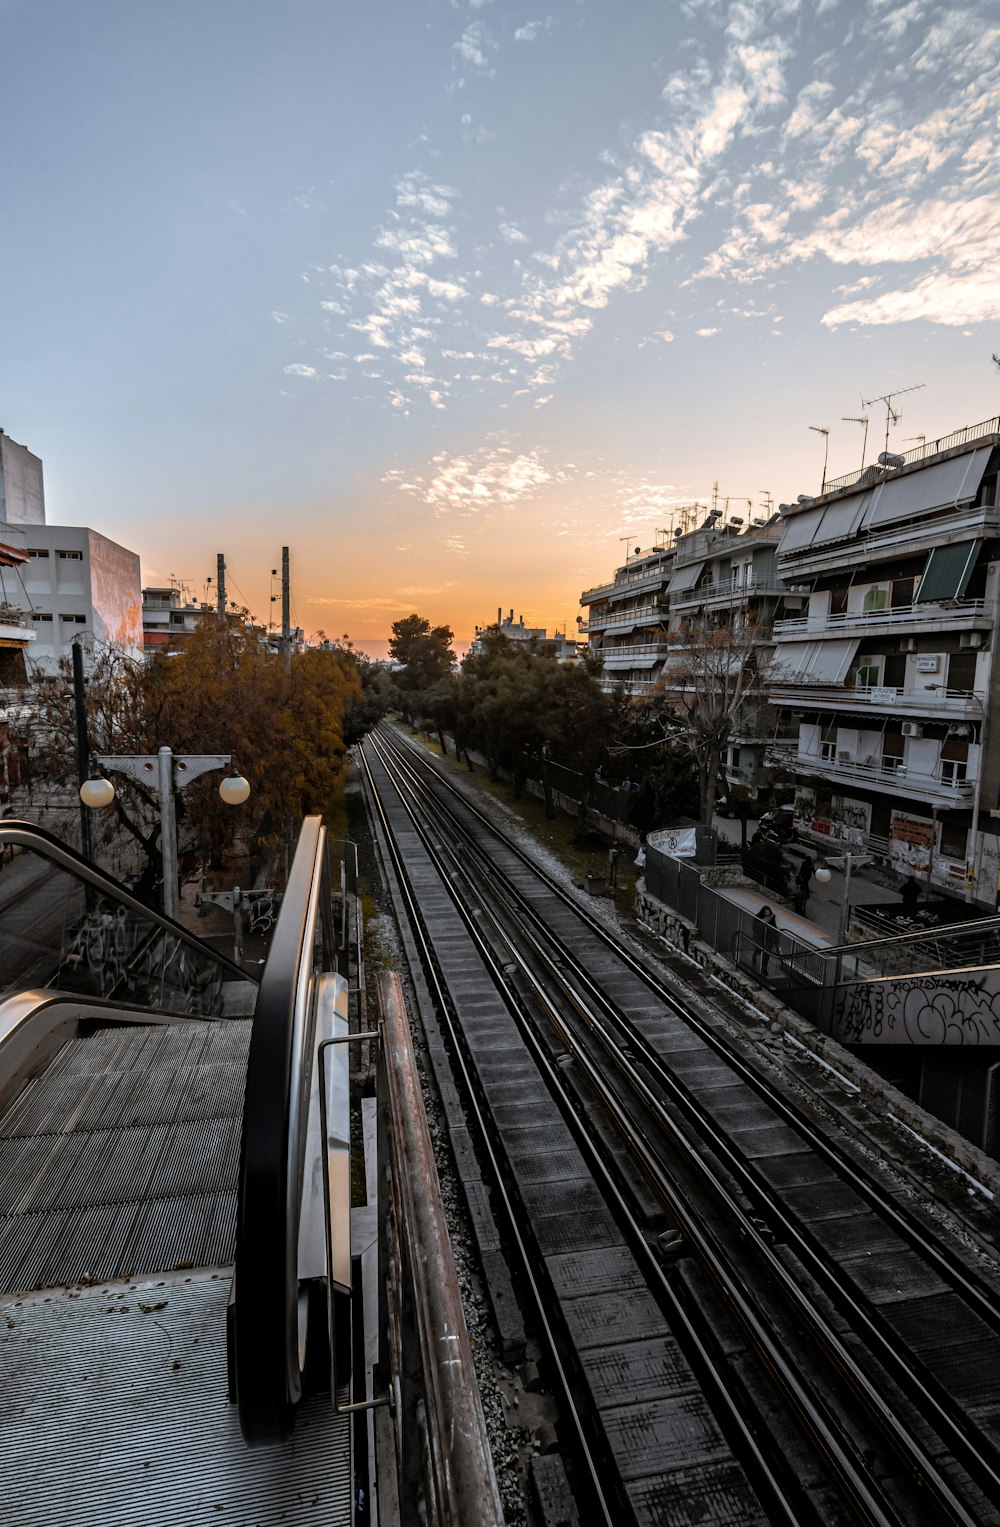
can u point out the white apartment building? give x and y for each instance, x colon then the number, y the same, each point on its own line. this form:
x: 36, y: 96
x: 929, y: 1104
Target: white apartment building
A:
x: 74, y: 582
x: 888, y: 674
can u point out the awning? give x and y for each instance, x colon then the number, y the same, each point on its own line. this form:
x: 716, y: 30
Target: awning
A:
x: 947, y: 573
x: 816, y: 662
x: 685, y: 578
x: 949, y: 482
x: 625, y: 661
x: 800, y: 530
x: 842, y: 519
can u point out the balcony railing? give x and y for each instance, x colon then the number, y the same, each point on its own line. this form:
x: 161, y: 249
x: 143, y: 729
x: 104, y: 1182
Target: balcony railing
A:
x: 929, y: 702
x: 647, y: 614
x: 893, y: 775
x: 951, y: 442
x: 636, y: 686
x: 955, y: 611
x: 604, y: 590
x: 15, y: 625
x: 643, y: 649
x: 729, y: 588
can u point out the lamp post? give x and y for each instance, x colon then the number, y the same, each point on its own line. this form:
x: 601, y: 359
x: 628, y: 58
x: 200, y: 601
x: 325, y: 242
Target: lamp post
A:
x: 345, y: 843
x: 971, y: 874
x: 846, y: 862
x: 170, y: 773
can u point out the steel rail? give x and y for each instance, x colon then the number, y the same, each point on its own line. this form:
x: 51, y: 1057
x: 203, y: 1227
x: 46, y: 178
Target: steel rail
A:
x: 418, y: 929
x: 689, y: 1333
x: 911, y: 1453
x: 985, y: 1302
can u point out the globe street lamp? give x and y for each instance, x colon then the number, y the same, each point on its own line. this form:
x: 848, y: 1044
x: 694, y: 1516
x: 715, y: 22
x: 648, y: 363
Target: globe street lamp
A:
x: 846, y: 862
x: 171, y: 773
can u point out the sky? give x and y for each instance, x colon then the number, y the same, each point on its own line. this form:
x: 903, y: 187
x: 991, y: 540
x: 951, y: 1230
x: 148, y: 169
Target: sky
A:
x: 459, y: 299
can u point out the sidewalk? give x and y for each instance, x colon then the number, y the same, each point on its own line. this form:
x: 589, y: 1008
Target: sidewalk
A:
x: 821, y: 923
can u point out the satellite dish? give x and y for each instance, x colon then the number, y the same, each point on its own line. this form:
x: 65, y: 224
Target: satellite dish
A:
x: 638, y: 550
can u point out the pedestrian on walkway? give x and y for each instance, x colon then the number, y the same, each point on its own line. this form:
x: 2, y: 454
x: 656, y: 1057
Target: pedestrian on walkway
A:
x: 800, y: 898
x: 909, y: 893
x: 767, y: 940
x: 613, y: 867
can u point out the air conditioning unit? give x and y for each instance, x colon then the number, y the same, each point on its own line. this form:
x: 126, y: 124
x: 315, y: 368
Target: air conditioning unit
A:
x: 843, y: 756
x: 959, y: 729
x: 972, y: 639
x: 911, y: 729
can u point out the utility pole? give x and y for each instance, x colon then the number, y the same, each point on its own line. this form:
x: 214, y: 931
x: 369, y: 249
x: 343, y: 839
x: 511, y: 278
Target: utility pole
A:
x: 220, y: 584
x: 286, y: 616
x: 82, y: 750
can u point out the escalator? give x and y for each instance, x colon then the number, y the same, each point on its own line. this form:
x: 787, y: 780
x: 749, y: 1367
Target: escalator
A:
x: 173, y: 1225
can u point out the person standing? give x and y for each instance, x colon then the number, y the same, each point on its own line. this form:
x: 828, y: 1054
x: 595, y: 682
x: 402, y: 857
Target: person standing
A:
x: 767, y: 940
x: 803, y: 876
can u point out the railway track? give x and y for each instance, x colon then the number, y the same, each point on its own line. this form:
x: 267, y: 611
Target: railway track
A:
x: 740, y: 1324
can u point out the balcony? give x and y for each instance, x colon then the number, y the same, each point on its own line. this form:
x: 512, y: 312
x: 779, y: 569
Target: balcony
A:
x: 901, y: 618
x: 652, y: 577
x: 729, y: 591
x: 967, y: 436
x: 16, y: 628
x: 635, y: 686
x: 934, y: 704
x: 627, y: 651
x: 892, y: 777
x: 625, y: 620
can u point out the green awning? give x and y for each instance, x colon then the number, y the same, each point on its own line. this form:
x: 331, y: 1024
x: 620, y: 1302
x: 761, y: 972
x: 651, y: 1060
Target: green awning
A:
x: 947, y: 573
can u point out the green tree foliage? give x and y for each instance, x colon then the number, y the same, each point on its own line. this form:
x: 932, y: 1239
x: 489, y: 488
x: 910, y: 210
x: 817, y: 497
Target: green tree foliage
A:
x: 426, y: 657
x: 224, y: 692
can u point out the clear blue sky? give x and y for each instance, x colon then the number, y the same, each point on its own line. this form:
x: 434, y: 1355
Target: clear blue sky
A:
x: 448, y: 295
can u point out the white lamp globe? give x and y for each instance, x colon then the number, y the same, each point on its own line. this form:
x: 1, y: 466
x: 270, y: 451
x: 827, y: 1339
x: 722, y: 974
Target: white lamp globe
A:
x: 97, y: 793
x: 234, y: 789
x: 822, y: 874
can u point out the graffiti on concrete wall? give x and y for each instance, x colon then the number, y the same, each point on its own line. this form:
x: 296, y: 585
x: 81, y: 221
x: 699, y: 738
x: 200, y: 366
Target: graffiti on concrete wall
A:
x: 932, y: 1010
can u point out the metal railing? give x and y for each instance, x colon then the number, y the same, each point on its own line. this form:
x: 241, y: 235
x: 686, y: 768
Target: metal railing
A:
x: 647, y: 614
x: 967, y: 436
x: 896, y: 774
x: 959, y: 611
x: 953, y: 702
x: 729, y: 588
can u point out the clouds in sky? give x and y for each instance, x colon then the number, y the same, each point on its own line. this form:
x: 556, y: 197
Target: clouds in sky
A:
x: 841, y: 155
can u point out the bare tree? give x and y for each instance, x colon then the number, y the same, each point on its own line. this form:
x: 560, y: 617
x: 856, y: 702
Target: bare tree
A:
x: 713, y: 690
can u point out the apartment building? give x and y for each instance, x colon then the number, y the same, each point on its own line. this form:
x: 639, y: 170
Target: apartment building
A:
x: 627, y: 620
x: 170, y: 617
x: 888, y: 673
x: 721, y: 570
x: 71, y: 580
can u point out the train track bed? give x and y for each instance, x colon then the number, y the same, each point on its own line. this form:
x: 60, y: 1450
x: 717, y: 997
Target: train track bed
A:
x: 739, y: 1325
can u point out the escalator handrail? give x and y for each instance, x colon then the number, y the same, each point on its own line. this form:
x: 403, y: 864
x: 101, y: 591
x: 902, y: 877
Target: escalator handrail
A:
x: 29, y: 835
x: 265, y: 1313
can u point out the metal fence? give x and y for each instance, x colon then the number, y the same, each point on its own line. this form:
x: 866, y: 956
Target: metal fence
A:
x: 802, y: 975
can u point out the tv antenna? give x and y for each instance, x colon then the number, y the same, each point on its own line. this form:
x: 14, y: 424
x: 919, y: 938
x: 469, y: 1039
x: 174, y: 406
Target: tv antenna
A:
x: 858, y: 419
x: 893, y: 416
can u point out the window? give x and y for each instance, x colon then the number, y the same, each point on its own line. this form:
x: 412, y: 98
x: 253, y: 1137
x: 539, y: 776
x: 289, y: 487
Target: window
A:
x: 875, y: 599
x: 870, y: 673
x: 838, y: 602
x: 74, y: 620
x: 70, y: 556
x: 893, y: 745
x: 954, y: 763
x: 828, y: 752
x: 42, y: 617
x: 37, y: 551
x: 954, y: 840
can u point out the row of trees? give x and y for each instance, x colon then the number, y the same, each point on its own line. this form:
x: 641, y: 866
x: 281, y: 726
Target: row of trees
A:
x: 513, y: 704
x: 287, y: 724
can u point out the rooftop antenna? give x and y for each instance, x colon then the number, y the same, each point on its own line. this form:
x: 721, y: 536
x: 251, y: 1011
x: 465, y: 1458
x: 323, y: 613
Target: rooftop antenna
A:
x: 858, y: 419
x: 921, y: 438
x: 768, y: 504
x: 893, y: 416
x: 819, y: 429
x: 627, y: 554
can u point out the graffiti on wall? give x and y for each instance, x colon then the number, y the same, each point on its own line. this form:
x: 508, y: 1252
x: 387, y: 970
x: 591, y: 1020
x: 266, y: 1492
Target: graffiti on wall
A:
x: 931, y: 1010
